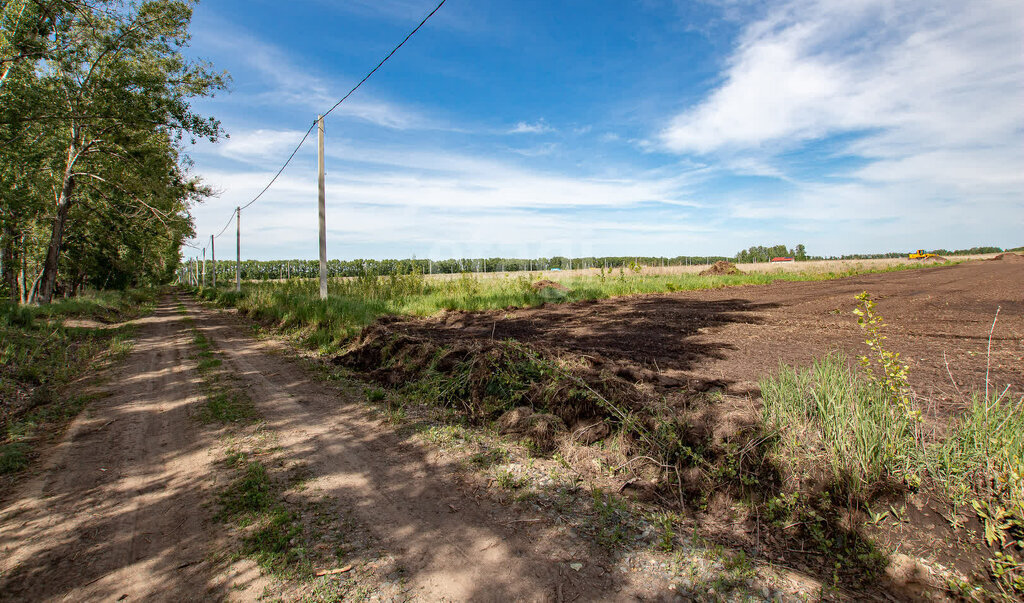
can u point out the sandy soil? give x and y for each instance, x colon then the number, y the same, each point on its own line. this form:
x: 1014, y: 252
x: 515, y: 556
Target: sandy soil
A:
x: 115, y: 510
x: 451, y: 541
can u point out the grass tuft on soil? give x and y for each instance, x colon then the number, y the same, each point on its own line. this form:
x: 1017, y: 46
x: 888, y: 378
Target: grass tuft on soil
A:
x: 841, y: 433
x: 829, y: 416
x: 274, y: 534
x: 224, y: 404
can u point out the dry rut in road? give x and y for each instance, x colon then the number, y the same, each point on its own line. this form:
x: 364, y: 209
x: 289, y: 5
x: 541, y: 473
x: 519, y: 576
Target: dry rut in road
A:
x: 122, y: 506
x: 117, y: 506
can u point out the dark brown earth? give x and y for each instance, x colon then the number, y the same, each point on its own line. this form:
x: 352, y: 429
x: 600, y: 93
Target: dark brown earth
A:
x: 937, y: 319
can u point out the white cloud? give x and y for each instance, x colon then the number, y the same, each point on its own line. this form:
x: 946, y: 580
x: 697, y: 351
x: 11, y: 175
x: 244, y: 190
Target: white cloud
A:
x: 930, y: 91
x: 542, y: 150
x: 538, y: 127
x: 392, y: 196
x: 259, y: 145
x: 918, y: 70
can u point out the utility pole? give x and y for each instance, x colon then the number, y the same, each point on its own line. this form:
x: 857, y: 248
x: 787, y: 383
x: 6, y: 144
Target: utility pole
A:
x: 204, y: 267
x: 238, y: 249
x: 213, y: 259
x: 323, y: 204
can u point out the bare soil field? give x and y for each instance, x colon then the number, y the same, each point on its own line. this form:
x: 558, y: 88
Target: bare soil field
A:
x: 938, y: 320
x: 699, y: 355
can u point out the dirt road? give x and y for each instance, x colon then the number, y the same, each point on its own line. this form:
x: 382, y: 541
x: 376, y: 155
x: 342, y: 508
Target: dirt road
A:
x: 116, y: 508
x: 120, y: 510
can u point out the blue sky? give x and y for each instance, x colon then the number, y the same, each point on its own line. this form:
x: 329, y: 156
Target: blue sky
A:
x: 649, y: 127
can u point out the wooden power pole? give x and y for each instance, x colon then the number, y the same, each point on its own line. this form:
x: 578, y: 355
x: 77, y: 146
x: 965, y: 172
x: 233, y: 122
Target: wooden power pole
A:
x: 213, y: 260
x: 323, y: 204
x: 238, y: 249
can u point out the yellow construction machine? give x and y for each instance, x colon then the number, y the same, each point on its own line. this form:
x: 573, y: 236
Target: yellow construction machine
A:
x: 920, y: 253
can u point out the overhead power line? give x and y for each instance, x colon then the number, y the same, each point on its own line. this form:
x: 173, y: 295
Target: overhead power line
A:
x: 226, y: 224
x: 335, y: 106
x: 287, y: 161
x: 385, y: 59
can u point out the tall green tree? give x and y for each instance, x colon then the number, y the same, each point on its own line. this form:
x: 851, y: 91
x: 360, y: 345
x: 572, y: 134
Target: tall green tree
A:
x: 110, y: 117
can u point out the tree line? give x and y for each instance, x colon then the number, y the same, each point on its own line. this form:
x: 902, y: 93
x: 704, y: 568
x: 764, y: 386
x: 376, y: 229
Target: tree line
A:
x: 283, y: 269
x: 278, y: 269
x: 764, y: 253
x: 95, y: 118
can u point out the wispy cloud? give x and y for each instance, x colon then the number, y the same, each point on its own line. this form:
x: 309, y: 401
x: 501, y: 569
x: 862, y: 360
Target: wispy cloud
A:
x: 538, y: 127
x: 913, y: 77
x: 397, y: 196
x: 256, y: 146
x: 285, y: 83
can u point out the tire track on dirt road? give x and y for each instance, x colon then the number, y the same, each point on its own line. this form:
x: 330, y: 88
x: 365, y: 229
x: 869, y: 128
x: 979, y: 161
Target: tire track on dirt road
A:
x: 116, y: 510
x: 450, y: 542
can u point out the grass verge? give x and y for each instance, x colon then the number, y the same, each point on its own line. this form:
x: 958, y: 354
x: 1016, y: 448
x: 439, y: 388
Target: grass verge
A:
x: 40, y: 356
x: 224, y: 403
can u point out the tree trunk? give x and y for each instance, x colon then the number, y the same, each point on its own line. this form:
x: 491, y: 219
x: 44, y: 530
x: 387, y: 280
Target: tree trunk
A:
x: 48, y: 282
x: 10, y: 262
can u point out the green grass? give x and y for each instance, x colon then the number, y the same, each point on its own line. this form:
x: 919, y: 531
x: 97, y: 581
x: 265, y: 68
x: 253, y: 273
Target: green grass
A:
x: 295, y: 306
x: 275, y: 540
x: 507, y: 480
x: 250, y: 494
x: 13, y: 457
x: 223, y: 403
x: 826, y: 418
x: 271, y: 545
x: 829, y: 416
x: 227, y: 407
x: 39, y: 357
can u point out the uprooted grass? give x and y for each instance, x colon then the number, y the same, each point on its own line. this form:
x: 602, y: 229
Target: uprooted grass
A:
x: 40, y: 356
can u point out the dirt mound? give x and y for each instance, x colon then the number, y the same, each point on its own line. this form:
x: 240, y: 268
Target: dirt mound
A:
x: 721, y: 267
x: 571, y: 402
x: 938, y: 259
x: 546, y: 284
x: 487, y: 378
x: 1009, y: 257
